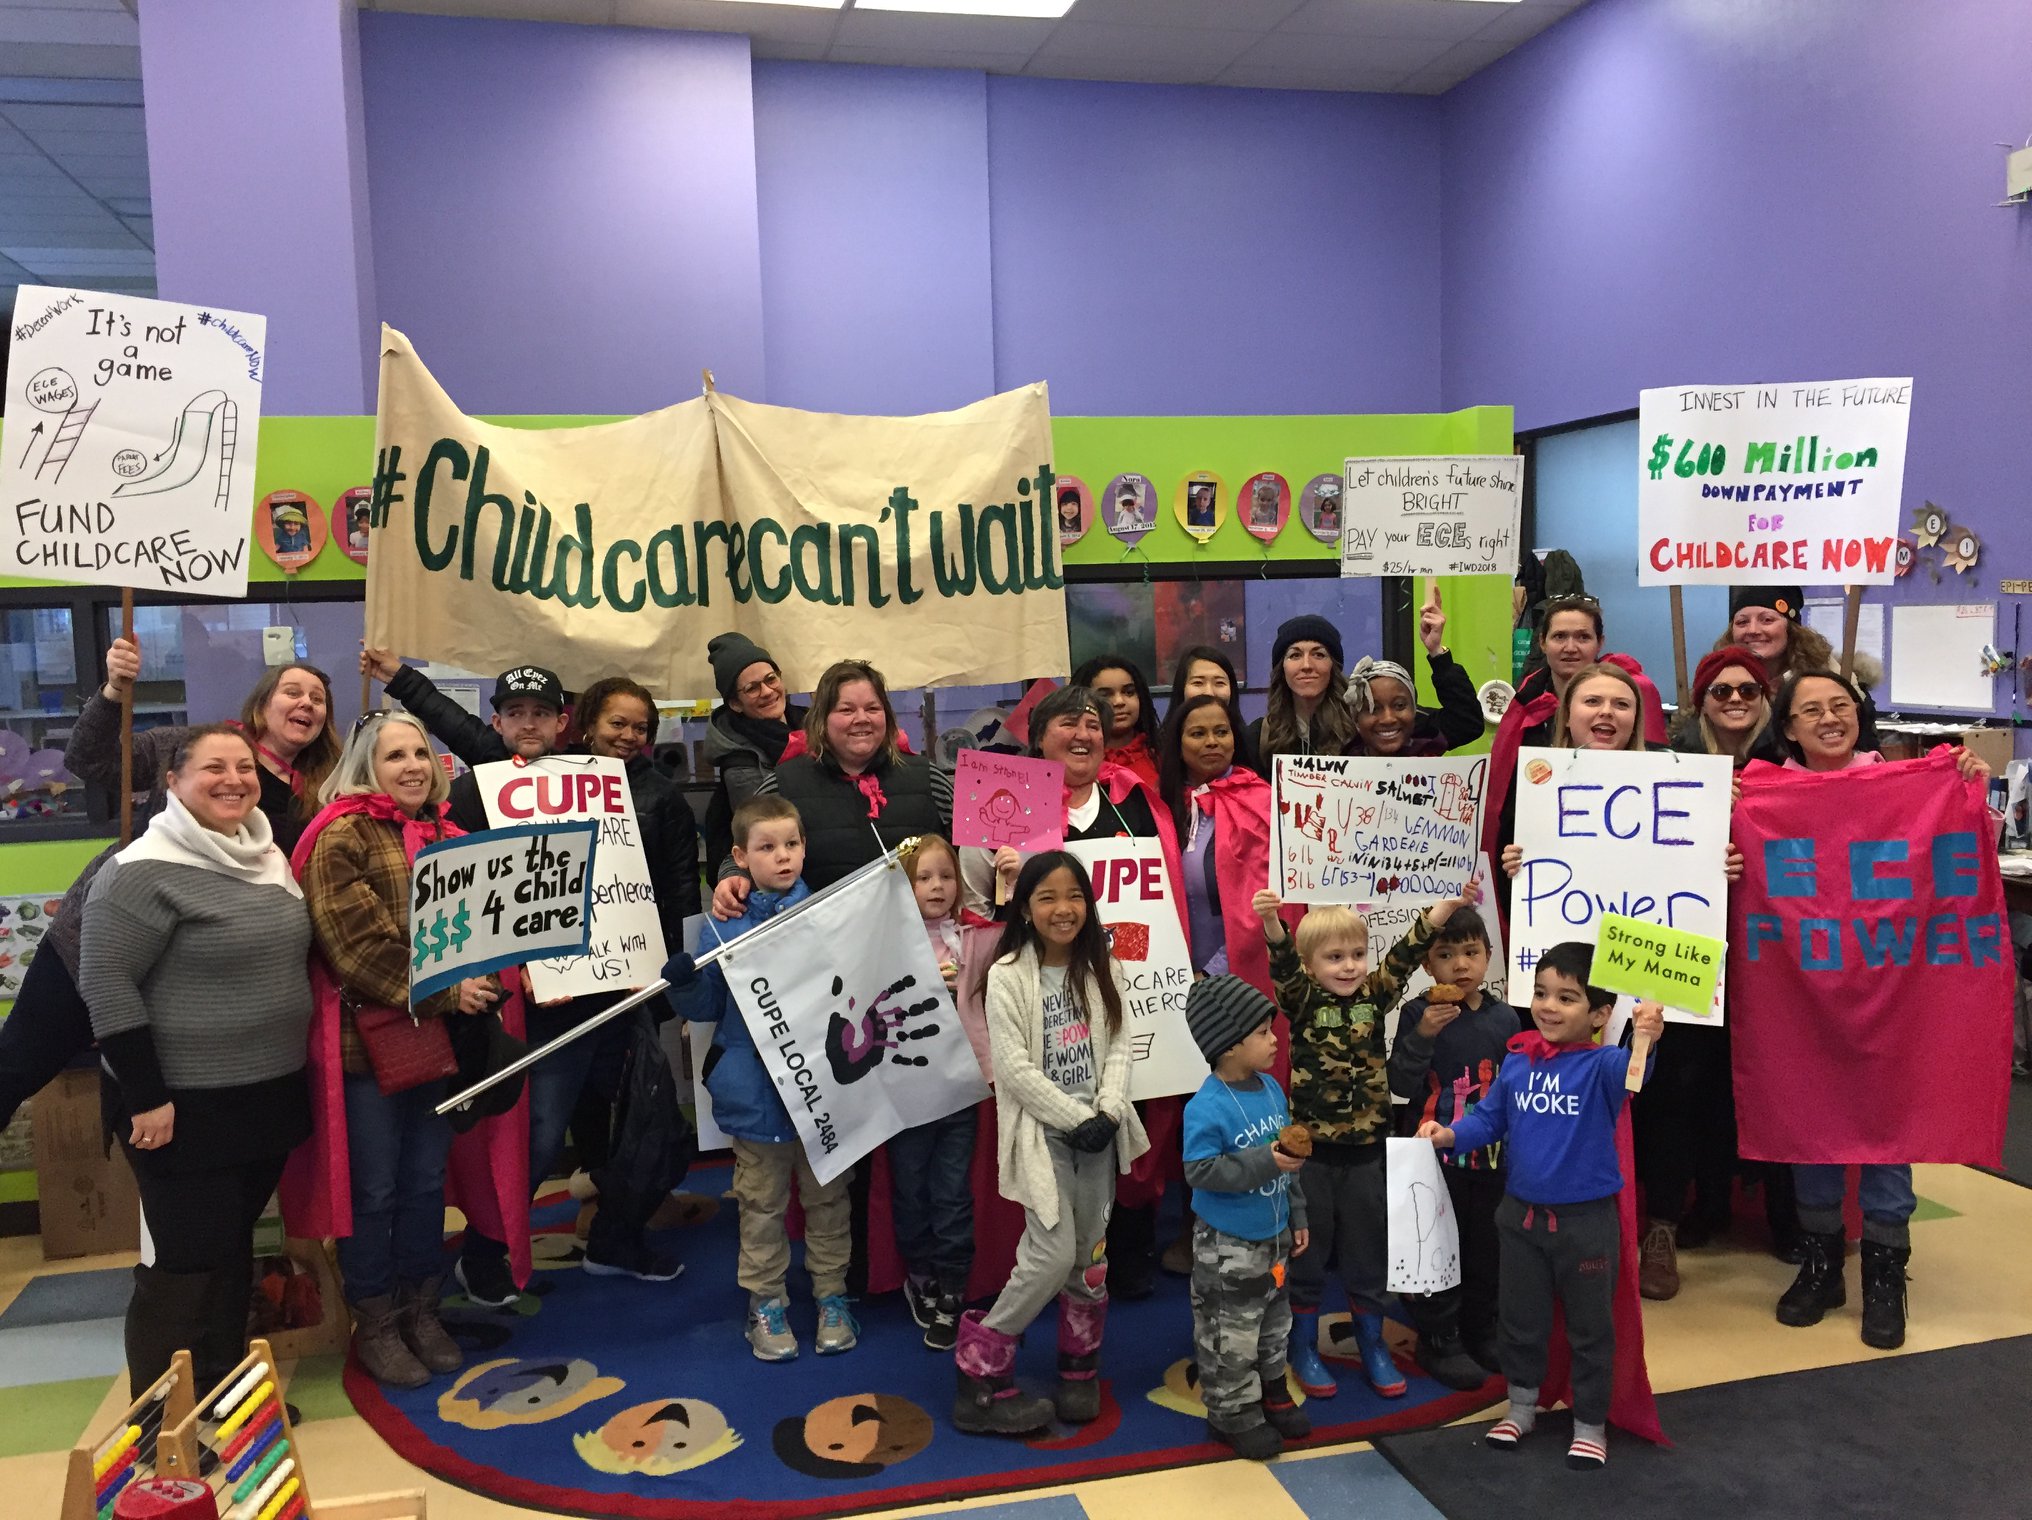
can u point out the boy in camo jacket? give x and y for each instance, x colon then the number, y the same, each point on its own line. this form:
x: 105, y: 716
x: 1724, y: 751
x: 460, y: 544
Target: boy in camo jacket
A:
x: 1250, y: 1221
x: 1340, y: 1091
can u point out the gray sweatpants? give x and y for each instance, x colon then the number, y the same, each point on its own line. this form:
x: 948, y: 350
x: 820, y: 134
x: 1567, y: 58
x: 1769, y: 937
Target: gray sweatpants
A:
x: 1349, y: 1221
x: 1072, y: 1255
x: 1567, y: 1252
x: 1241, y: 1321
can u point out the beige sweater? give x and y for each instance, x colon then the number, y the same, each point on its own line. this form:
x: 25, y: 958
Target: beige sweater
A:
x: 1028, y: 1103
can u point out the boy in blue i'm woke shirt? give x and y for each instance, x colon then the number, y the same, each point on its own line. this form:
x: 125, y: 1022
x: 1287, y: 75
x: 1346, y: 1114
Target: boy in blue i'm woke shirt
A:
x: 1555, y: 1100
x: 1251, y: 1221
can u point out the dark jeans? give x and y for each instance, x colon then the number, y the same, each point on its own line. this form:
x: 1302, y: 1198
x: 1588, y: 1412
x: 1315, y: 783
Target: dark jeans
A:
x: 1470, y: 1309
x: 1566, y: 1253
x: 398, y: 1148
x: 555, y: 1083
x: 48, y: 1029
x: 1348, y: 1219
x: 1684, y: 1125
x: 194, y: 1291
x: 931, y: 1173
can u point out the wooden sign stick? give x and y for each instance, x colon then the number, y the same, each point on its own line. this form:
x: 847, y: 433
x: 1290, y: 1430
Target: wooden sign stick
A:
x: 1640, y: 1052
x: 1685, y: 690
x: 1852, y: 616
x: 127, y: 726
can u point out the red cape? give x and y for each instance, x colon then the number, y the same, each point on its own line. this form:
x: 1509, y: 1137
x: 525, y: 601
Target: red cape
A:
x: 487, y: 1178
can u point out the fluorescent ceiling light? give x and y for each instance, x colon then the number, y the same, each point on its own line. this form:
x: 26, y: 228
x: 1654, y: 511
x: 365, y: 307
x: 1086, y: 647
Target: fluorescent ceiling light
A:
x: 1029, y: 10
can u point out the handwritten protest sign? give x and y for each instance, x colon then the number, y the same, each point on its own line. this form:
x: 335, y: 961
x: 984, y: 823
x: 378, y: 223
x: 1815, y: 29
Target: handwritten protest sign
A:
x: 1644, y: 836
x: 1008, y: 800
x: 626, y: 950
x: 1134, y: 895
x: 1435, y: 516
x: 850, y: 1017
x: 498, y: 898
x: 1375, y: 828
x: 1669, y: 966
x: 1795, y: 482
x: 1424, y: 1235
x: 130, y: 441
x: 1870, y: 935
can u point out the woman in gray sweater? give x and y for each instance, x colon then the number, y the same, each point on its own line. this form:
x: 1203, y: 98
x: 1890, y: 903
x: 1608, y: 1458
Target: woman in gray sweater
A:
x: 194, y: 966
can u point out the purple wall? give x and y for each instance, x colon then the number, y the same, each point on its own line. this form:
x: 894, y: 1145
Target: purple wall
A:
x: 873, y: 191
x: 1657, y: 193
x: 565, y: 216
x: 265, y: 209
x: 1167, y: 250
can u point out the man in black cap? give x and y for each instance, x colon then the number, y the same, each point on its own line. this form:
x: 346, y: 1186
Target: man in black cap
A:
x: 528, y: 721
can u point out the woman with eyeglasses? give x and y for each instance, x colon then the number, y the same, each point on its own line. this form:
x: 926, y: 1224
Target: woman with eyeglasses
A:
x: 1684, y: 1122
x: 747, y: 733
x: 1818, y: 715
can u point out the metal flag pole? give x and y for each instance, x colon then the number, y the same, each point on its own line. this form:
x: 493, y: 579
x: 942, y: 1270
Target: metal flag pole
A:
x: 656, y: 988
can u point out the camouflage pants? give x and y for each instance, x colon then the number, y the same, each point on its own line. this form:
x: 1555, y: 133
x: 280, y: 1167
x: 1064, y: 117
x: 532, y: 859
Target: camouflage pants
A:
x: 1241, y: 1320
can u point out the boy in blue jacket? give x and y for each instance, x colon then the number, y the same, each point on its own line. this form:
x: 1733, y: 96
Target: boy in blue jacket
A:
x: 769, y: 846
x: 1555, y: 1100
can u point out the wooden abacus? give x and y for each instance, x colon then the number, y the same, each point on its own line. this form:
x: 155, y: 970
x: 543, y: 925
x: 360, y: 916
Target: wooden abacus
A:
x: 256, y: 1471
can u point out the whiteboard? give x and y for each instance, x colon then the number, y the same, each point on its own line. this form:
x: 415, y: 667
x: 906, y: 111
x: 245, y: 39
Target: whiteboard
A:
x: 1827, y: 617
x: 1937, y: 655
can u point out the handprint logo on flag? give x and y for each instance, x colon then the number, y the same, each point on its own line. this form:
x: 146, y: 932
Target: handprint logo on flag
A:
x: 856, y: 1044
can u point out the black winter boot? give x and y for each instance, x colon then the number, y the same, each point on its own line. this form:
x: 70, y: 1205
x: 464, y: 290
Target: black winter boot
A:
x: 1884, y: 1295
x: 988, y: 1402
x: 1282, y: 1414
x: 1819, y: 1286
x: 1258, y: 1442
x: 1441, y: 1353
x: 1781, y: 1213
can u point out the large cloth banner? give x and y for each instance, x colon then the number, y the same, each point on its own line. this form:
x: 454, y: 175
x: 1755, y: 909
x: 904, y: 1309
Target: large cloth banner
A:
x: 1764, y: 483
x: 131, y: 427
x: 625, y: 949
x: 851, y: 1019
x: 926, y: 545
x: 1373, y: 828
x: 1870, y: 959
x: 1134, y: 891
x: 1643, y: 835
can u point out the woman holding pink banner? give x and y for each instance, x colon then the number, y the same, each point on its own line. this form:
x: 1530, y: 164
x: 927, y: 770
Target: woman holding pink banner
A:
x: 1819, y: 718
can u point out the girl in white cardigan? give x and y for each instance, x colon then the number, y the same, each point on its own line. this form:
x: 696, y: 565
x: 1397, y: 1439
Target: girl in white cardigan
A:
x: 1054, y: 1002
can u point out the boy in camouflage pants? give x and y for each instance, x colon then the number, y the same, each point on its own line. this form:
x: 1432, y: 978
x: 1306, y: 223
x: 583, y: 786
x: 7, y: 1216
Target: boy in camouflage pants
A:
x: 1250, y: 1221
x: 1340, y: 1092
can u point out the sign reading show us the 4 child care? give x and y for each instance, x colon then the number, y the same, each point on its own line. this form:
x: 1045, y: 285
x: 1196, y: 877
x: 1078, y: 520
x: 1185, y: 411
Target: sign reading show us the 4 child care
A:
x: 1780, y: 483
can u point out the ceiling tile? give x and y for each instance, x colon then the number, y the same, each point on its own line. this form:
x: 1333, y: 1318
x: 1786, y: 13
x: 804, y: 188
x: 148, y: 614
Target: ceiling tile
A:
x: 1450, y: 20
x: 130, y: 261
x: 902, y: 29
x: 930, y: 58
x: 57, y: 60
x: 47, y: 24
x: 1145, y: 47
x: 781, y: 23
x: 1370, y: 54
x: 39, y: 116
x: 15, y: 89
x: 1519, y: 23
x: 1231, y: 15
x: 788, y: 52
x: 582, y: 12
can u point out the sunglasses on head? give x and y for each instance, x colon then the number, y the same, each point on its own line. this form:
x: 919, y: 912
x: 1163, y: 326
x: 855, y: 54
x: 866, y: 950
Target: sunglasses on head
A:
x: 1570, y: 601
x: 1723, y: 690
x: 365, y: 718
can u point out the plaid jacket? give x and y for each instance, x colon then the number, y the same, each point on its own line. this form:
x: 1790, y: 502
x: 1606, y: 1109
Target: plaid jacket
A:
x: 356, y: 884
x: 1340, y: 1073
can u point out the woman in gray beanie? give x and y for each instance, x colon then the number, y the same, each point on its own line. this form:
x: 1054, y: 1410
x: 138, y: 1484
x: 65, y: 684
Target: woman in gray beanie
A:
x: 747, y: 733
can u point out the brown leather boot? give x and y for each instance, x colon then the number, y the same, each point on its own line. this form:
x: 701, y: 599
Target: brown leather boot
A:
x: 377, y: 1341
x: 1658, y: 1262
x: 422, y: 1331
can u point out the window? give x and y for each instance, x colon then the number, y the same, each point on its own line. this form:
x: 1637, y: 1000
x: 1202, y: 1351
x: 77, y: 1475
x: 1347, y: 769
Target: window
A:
x: 39, y: 698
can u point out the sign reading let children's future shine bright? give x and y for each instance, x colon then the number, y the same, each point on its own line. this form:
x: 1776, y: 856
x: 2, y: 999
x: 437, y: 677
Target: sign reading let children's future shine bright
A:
x: 1771, y: 483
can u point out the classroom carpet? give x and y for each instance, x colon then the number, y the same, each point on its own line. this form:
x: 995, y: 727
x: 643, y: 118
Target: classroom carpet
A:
x: 1900, y: 1436
x: 605, y: 1396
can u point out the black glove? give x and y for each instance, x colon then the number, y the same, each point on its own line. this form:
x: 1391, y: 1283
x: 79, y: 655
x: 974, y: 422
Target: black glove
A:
x: 680, y: 971
x: 1094, y: 1136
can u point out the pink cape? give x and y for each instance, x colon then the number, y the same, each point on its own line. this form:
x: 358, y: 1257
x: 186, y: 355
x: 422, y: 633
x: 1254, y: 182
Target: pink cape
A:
x: 487, y: 1178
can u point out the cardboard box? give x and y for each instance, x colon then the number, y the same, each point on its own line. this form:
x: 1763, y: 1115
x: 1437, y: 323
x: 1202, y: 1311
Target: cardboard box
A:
x: 86, y: 1198
x: 1993, y: 745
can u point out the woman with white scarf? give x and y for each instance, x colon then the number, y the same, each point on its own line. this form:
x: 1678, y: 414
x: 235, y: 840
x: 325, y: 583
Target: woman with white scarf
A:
x: 194, y: 966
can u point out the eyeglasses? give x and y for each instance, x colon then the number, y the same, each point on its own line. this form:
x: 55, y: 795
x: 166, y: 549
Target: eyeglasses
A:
x: 1722, y: 691
x: 770, y: 682
x: 1841, y: 707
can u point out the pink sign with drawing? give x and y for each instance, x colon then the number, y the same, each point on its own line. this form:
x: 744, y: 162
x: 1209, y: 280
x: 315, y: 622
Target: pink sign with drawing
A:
x: 1008, y: 800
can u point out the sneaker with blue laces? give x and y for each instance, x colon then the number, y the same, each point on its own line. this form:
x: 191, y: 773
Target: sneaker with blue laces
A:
x: 769, y: 1334
x: 837, y: 1329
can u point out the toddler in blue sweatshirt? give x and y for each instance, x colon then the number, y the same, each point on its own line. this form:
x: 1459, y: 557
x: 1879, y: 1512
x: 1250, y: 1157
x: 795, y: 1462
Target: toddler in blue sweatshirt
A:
x: 1251, y: 1221
x: 1555, y: 1103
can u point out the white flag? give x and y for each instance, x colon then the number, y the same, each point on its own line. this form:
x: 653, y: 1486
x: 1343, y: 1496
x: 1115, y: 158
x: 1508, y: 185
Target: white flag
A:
x: 1424, y: 1235
x: 848, y: 1010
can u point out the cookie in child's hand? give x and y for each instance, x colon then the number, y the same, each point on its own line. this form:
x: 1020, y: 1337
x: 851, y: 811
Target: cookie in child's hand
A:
x: 1444, y: 992
x: 1295, y: 1140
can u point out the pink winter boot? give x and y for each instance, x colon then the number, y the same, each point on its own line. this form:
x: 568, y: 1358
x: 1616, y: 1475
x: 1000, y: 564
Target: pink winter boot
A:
x: 1080, y: 1322
x: 988, y: 1402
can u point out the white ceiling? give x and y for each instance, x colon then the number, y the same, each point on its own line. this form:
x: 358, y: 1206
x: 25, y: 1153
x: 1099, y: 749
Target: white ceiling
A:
x: 1412, y: 47
x: 74, y: 161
